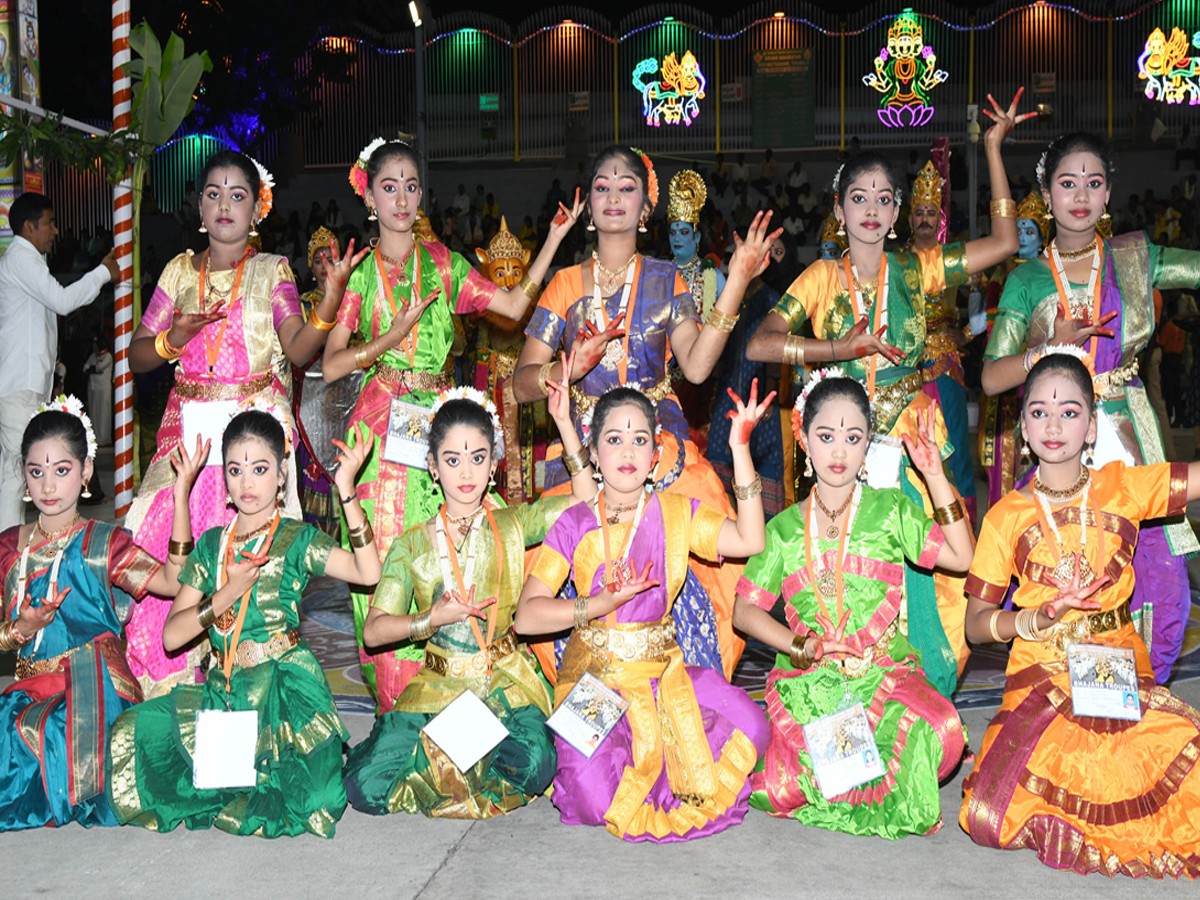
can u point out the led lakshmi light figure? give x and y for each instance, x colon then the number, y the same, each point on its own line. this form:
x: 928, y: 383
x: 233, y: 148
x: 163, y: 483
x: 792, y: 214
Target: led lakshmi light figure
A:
x: 905, y: 73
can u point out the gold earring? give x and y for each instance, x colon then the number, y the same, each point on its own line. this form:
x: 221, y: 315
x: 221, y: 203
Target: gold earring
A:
x: 253, y: 229
x: 808, y: 470
x: 202, y: 229
x: 1104, y: 217
x: 86, y: 493
x: 841, y: 232
x: 642, y: 227
x: 371, y: 216
x: 892, y: 233
x: 591, y: 225
x: 27, y: 498
x: 1025, y: 452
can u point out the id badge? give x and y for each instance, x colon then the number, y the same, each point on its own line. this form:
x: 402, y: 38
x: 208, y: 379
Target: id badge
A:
x: 843, y: 752
x: 1108, y: 443
x: 1103, y: 682
x: 588, y: 714
x: 224, y: 754
x: 466, y: 730
x: 884, y: 457
x: 207, y: 419
x: 407, y: 441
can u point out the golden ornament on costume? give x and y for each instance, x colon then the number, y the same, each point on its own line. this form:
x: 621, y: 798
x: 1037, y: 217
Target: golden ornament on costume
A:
x: 322, y: 238
x: 927, y: 188
x: 686, y: 196
x: 829, y: 232
x: 1034, y: 207
x: 505, y: 260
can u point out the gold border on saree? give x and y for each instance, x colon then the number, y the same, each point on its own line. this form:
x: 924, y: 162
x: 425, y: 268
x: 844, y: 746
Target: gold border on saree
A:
x: 1106, y: 384
x: 412, y: 379
x: 206, y: 389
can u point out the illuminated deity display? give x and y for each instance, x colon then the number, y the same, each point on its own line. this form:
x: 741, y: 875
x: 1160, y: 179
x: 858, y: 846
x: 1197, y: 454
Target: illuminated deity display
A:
x: 905, y: 72
x: 675, y: 96
x: 1170, y: 74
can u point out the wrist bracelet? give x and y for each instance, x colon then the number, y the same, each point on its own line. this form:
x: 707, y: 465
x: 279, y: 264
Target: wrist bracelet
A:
x: 363, y: 358
x: 180, y: 548
x: 793, y: 350
x: 748, y: 491
x: 948, y: 514
x: 797, y: 655
x: 581, y: 611
x: 1033, y: 355
x: 719, y: 321
x: 204, y: 612
x: 361, y: 537
x: 576, y: 462
x: 421, y: 626
x: 528, y: 288
x: 1003, y: 208
x: 832, y: 354
x: 1027, y: 627
x: 163, y: 348
x: 543, y: 377
x: 350, y: 498
x: 318, y: 323
x: 992, y: 627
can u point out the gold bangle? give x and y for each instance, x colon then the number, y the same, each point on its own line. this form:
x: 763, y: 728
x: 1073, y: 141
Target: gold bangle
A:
x: 1003, y: 208
x: 180, y: 548
x: 318, y: 323
x: 204, y: 612
x: 528, y: 288
x: 992, y: 627
x: 164, y: 349
x: 948, y: 514
x: 576, y: 462
x: 361, y: 357
x: 749, y: 491
x: 544, y: 377
x: 797, y: 655
x: 361, y: 537
x: 581, y: 611
x: 719, y: 321
x: 793, y: 350
x: 1027, y: 627
x: 421, y: 626
x: 7, y: 641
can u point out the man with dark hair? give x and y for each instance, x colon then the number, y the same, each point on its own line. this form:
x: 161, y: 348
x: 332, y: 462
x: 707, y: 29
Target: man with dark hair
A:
x: 31, y: 301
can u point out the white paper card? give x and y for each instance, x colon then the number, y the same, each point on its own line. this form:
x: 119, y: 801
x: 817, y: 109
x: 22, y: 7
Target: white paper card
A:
x: 1103, y: 681
x: 224, y: 754
x: 466, y: 730
x: 843, y: 751
x: 883, y: 462
x: 408, y: 435
x: 1108, y: 443
x: 207, y: 419
x: 587, y: 714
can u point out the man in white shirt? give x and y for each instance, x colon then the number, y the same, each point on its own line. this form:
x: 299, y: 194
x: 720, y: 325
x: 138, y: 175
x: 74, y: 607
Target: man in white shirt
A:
x: 31, y: 301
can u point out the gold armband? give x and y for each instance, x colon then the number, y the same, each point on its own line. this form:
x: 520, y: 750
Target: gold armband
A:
x: 318, y: 323
x: 718, y: 321
x: 528, y: 288
x: 793, y: 350
x: 749, y: 491
x: 1004, y: 208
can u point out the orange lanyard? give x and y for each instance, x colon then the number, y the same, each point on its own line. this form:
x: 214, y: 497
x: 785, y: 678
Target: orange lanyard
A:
x: 462, y: 587
x: 1064, y: 297
x: 235, y: 636
x: 410, y: 340
x: 860, y: 310
x: 211, y: 351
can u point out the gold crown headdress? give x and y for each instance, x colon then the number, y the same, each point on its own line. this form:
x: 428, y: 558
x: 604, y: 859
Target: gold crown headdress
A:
x: 504, y: 244
x: 829, y: 232
x: 686, y: 196
x: 322, y: 238
x: 905, y: 25
x: 1034, y: 207
x: 927, y: 188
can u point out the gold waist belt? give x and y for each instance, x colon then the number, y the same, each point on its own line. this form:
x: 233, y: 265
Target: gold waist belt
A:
x: 892, y: 399
x: 1080, y: 629
x: 940, y: 343
x: 250, y: 654
x: 632, y: 641
x: 27, y: 668
x: 476, y: 665
x: 412, y: 379
x: 855, y: 666
x: 1109, y: 383
x: 211, y: 389
x: 584, y: 402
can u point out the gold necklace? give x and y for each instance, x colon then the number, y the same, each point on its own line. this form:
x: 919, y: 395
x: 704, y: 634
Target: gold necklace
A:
x: 614, y: 512
x: 402, y: 279
x: 463, y: 524
x: 250, y: 535
x: 62, y: 532
x: 611, y: 277
x: 1061, y: 496
x: 833, y: 530
x: 1072, y: 255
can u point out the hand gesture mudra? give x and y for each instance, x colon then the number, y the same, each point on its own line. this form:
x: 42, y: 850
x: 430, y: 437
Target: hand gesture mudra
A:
x: 1005, y: 119
x: 1068, y: 330
x: 746, y: 414
x: 750, y: 257
x: 338, y: 269
x: 860, y: 342
x: 32, y: 619
x: 923, y: 449
x: 453, y: 607
x: 591, y: 343
x: 410, y: 313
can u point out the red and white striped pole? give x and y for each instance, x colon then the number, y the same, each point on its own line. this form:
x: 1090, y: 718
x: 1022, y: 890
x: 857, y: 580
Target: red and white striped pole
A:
x: 123, y: 251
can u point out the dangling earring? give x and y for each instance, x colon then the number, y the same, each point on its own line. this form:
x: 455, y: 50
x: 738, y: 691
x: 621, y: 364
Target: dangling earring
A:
x: 27, y: 498
x: 1089, y: 458
x: 279, y: 495
x: 642, y: 227
x: 492, y: 479
x: 808, y: 470
x: 86, y: 493
x: 228, y: 499
x: 591, y: 225
x: 202, y: 229
x: 1048, y: 215
x: 1024, y: 451
x: 862, y: 473
x: 254, y: 229
x: 371, y: 216
x: 1104, y: 216
x: 892, y: 233
x: 841, y: 232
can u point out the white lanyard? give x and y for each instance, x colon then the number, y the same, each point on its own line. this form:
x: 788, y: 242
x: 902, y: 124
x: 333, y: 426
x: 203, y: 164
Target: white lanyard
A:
x: 615, y: 349
x: 1075, y: 308
x: 471, y: 545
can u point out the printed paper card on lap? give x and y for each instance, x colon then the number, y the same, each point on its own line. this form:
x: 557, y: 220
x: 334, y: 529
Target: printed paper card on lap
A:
x: 843, y: 752
x: 407, y: 440
x: 466, y: 730
x: 884, y: 457
x: 224, y: 754
x: 587, y: 714
x: 207, y: 419
x: 1103, y: 681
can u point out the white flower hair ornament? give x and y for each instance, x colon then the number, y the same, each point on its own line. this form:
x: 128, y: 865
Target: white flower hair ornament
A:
x: 276, y: 412
x: 1040, y: 171
x: 837, y: 180
x: 814, y: 379
x: 266, y: 188
x: 479, y: 398
x: 1099, y: 387
x: 72, y: 406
